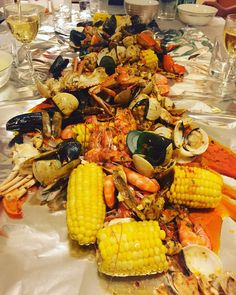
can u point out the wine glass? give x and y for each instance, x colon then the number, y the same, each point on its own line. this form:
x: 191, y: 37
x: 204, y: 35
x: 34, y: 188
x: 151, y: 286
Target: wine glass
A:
x: 230, y: 46
x: 23, y: 21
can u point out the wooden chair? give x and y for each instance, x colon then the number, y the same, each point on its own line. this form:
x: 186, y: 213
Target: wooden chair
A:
x: 224, y: 7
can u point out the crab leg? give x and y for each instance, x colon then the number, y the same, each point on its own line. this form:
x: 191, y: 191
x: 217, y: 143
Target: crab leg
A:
x: 16, y: 183
x: 17, y: 193
x: 10, y: 177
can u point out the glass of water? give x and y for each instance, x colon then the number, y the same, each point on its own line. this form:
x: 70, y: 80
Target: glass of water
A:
x: 61, y: 10
x: 221, y: 70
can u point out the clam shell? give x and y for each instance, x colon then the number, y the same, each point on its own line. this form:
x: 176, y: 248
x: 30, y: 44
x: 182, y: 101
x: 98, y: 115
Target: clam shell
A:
x: 201, y: 260
x: 142, y: 165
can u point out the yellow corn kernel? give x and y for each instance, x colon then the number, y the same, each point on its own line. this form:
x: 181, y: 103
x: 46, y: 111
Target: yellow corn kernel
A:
x: 195, y: 187
x: 85, y: 209
x: 131, y: 248
x: 83, y: 132
x: 149, y: 58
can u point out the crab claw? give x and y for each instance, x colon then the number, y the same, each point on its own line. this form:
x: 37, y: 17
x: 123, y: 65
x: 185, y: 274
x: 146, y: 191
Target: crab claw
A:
x: 170, y: 66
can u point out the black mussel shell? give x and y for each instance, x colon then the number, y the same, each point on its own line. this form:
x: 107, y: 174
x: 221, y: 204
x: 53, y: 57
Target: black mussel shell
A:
x: 98, y: 23
x: 109, y: 25
x: 142, y: 102
x: 74, y: 118
x: 135, y: 20
x: 135, y: 29
x: 19, y: 139
x: 69, y: 150
x: 153, y: 26
x: 153, y: 146
x: 132, y: 140
x: 84, y: 24
x: 58, y: 66
x: 76, y: 37
x: 25, y: 122
x: 109, y: 64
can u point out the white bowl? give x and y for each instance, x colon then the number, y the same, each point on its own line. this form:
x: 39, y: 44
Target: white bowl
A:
x: 196, y: 14
x: 5, y: 67
x: 145, y: 9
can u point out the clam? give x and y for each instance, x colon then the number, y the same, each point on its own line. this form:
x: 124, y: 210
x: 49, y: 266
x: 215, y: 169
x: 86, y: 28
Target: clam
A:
x: 121, y: 53
x: 66, y: 102
x: 152, y: 106
x: 196, y: 142
x: 163, y: 131
x: 101, y: 54
x: 181, y: 284
x: 178, y: 134
x: 227, y: 282
x: 201, y: 260
x: 142, y: 165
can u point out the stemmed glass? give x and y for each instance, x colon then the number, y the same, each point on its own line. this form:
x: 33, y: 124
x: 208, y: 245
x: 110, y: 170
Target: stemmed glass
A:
x: 230, y: 46
x: 23, y: 22
x: 230, y: 39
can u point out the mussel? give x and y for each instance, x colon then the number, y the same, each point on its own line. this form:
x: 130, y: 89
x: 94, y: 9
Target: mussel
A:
x: 58, y: 66
x: 49, y: 122
x: 108, y: 63
x: 76, y: 37
x: 109, y: 26
x: 156, y: 149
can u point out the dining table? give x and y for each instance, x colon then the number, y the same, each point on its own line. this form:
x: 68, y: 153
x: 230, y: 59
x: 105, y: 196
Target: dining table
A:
x: 36, y: 256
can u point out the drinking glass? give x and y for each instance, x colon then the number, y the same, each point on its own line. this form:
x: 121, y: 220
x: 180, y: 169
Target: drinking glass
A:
x: 230, y: 40
x: 23, y: 22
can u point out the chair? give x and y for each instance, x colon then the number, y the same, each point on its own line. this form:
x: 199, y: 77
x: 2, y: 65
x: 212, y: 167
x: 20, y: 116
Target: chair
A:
x: 224, y: 7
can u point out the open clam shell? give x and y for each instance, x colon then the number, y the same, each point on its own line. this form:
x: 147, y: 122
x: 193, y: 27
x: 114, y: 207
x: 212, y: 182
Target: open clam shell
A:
x: 201, y: 260
x: 142, y: 165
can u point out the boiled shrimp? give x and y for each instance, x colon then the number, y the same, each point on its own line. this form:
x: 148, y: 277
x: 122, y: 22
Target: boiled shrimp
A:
x: 142, y: 182
x: 109, y: 191
x: 190, y: 233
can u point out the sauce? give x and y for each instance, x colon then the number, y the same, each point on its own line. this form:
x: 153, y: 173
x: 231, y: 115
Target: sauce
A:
x: 211, y: 220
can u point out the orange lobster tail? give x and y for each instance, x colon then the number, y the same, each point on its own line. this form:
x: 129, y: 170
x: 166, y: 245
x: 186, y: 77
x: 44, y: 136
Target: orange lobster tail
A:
x: 219, y: 158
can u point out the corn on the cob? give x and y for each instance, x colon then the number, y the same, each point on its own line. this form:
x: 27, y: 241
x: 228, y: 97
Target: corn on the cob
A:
x: 149, y: 58
x: 131, y: 248
x: 85, y: 210
x: 195, y: 187
x: 83, y: 132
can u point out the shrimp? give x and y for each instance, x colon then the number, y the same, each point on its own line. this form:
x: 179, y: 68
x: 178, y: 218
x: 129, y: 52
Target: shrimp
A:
x: 190, y: 233
x: 142, y: 182
x: 109, y: 191
x: 67, y: 132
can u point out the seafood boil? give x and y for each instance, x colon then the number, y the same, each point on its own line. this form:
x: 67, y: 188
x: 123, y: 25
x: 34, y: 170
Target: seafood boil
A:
x: 139, y: 180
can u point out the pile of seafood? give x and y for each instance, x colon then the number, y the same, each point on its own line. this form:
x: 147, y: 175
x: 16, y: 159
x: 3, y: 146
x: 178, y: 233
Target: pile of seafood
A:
x: 137, y: 177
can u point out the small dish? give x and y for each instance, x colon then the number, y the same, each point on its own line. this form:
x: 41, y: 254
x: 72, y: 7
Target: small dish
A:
x: 196, y: 14
x: 146, y: 10
x: 6, y: 61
